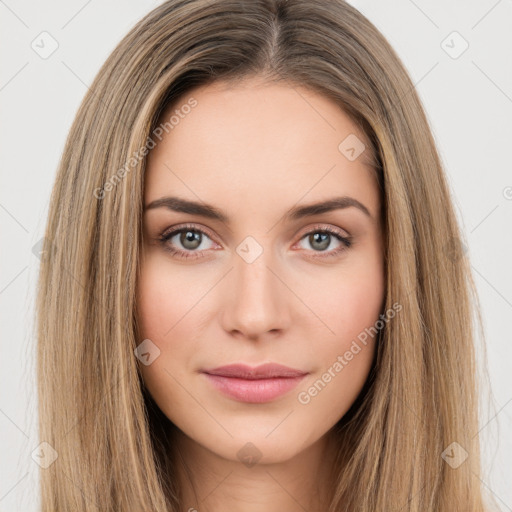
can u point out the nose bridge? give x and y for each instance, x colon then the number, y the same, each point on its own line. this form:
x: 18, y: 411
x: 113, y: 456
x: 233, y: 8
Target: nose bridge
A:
x: 257, y: 299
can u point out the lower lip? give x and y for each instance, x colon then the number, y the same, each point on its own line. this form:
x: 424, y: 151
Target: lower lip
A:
x: 254, y: 391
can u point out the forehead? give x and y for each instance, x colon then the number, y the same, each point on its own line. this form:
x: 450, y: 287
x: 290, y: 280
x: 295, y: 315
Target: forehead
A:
x: 256, y: 142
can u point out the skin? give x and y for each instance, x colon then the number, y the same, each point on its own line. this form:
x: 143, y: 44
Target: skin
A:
x: 254, y: 150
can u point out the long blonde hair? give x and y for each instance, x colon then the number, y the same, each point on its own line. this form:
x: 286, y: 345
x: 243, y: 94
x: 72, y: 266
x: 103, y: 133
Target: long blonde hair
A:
x: 113, y: 446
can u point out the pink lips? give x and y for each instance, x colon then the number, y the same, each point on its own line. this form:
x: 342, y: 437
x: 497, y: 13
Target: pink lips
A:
x: 254, y: 385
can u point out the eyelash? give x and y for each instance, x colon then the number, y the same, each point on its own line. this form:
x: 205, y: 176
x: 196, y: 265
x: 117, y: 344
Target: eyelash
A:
x: 166, y: 236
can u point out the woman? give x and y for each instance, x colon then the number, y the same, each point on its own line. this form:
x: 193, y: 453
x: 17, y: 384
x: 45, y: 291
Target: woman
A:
x: 256, y: 295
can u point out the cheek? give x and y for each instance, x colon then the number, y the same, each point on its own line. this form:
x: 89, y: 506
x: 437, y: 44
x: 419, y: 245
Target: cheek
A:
x: 158, y: 296
x: 349, y: 300
x: 168, y: 304
x: 165, y: 297
x: 159, y: 310
x: 350, y: 305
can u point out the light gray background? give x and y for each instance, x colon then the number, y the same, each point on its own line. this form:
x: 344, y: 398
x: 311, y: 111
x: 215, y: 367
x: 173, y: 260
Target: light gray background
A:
x: 469, y: 104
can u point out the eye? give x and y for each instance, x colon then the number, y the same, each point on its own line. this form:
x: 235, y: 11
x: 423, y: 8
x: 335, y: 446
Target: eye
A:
x: 321, y: 238
x: 189, y: 237
x: 191, y: 240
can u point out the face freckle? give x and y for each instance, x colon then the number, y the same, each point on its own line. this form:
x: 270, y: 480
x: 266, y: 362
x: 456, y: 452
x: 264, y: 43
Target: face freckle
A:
x: 259, y: 286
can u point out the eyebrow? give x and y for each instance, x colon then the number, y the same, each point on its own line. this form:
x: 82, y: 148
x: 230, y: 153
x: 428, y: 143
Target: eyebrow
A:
x: 211, y: 212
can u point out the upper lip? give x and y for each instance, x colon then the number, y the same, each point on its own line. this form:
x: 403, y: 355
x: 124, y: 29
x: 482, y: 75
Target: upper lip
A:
x: 264, y: 371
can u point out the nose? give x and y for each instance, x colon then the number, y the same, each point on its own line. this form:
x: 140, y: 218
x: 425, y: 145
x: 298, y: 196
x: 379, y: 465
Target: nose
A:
x: 256, y: 299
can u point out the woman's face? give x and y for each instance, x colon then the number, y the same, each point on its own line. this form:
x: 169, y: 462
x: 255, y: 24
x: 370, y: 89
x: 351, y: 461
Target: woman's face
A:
x: 256, y: 278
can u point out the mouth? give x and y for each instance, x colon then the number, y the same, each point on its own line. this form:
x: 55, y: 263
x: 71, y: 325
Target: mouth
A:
x: 261, y: 384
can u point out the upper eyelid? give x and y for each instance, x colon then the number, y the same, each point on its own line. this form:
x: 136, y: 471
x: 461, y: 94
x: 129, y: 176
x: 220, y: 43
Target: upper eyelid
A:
x: 168, y: 233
